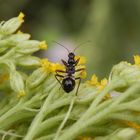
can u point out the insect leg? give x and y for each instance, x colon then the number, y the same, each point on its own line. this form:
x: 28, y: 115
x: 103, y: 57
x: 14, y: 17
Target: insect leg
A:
x: 60, y: 71
x: 78, y: 78
x: 77, y: 61
x: 57, y: 75
x: 64, y: 62
x: 82, y: 69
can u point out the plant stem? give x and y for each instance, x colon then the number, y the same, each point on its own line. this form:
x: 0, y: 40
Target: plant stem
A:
x: 58, y: 104
x: 16, y: 108
x: 65, y: 119
x: 16, y: 117
x: 10, y: 134
x: 39, y: 117
x: 49, y: 123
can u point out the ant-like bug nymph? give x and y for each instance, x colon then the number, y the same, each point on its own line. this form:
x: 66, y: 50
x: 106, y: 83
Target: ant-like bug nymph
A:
x: 68, y: 81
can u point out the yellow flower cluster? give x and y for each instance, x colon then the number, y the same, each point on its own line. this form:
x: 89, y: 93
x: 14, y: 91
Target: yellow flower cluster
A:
x: 100, y: 85
x: 94, y: 82
x: 50, y: 67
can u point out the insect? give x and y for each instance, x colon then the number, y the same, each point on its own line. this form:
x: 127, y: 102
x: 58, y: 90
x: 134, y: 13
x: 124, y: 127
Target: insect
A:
x: 69, y: 80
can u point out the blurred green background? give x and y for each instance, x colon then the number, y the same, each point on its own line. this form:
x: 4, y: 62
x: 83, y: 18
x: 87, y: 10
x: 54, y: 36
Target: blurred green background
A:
x: 111, y: 26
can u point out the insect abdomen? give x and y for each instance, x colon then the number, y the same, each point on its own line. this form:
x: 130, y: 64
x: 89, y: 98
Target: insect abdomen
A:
x: 68, y: 84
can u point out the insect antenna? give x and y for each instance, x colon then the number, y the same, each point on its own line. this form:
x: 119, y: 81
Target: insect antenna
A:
x: 62, y: 46
x: 81, y: 45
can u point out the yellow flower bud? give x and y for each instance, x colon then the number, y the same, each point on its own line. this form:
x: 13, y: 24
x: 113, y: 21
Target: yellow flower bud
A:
x: 21, y: 94
x: 45, y: 65
x: 43, y: 45
x: 93, y: 81
x: 137, y: 60
x: 21, y: 16
x: 19, y: 32
x: 83, y: 74
x: 103, y: 83
x: 132, y: 125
